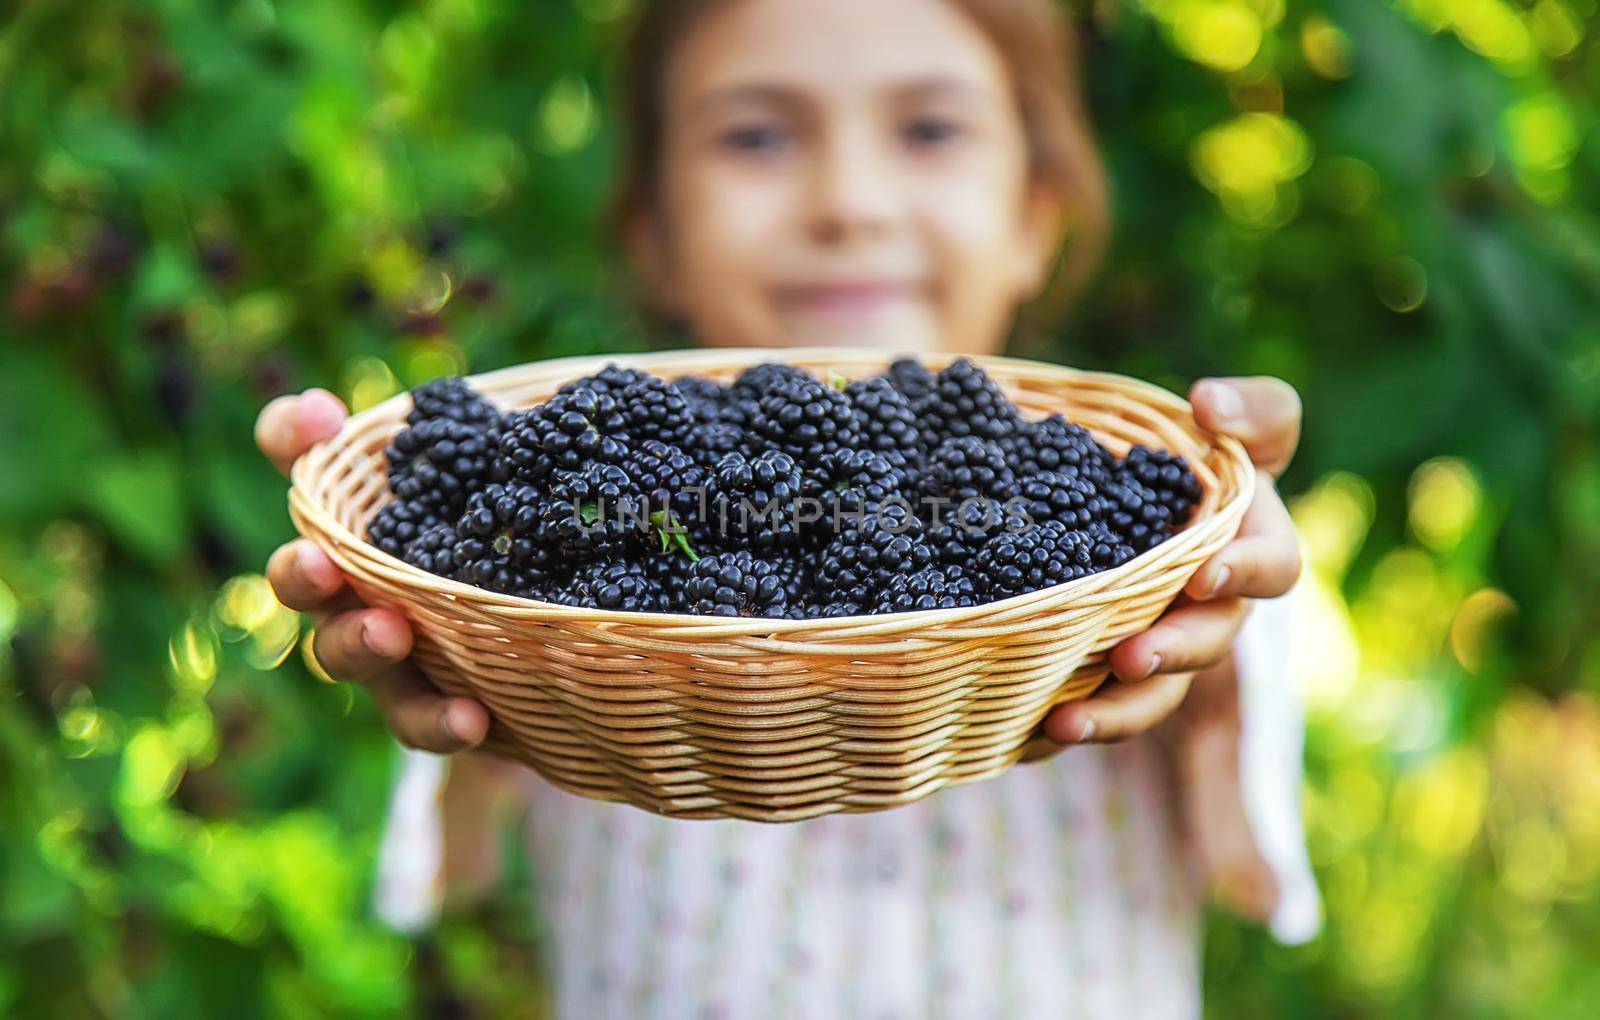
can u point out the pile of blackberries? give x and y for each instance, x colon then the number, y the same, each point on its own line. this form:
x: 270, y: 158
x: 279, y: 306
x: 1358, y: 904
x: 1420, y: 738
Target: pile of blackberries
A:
x: 780, y: 495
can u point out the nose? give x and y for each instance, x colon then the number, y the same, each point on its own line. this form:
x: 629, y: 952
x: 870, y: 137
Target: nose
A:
x: 853, y: 194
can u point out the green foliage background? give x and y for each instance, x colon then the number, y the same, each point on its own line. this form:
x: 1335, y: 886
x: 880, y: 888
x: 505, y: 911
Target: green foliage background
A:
x: 203, y: 204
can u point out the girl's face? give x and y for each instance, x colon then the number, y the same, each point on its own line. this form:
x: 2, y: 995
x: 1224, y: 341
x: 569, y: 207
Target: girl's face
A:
x: 844, y: 172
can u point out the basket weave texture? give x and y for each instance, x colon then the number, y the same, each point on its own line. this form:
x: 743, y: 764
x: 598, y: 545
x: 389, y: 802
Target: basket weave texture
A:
x: 775, y: 720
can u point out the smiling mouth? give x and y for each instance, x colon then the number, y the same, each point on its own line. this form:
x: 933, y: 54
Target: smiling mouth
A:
x: 847, y: 298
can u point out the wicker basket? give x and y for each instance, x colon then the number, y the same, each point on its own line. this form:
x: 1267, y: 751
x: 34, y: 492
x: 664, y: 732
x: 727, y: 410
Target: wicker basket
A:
x: 775, y: 720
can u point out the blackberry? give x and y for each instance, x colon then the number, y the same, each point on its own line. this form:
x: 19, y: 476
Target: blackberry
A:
x: 957, y: 534
x: 399, y: 523
x: 754, y: 502
x: 736, y: 584
x: 560, y: 433
x: 806, y: 419
x: 711, y: 440
x: 434, y: 551
x: 666, y: 477
x: 611, y: 380
x: 1106, y: 549
x: 869, y: 550
x: 928, y: 588
x: 440, y: 462
x: 453, y: 399
x: 966, y: 468
x: 1137, y: 515
x: 501, y: 542
x: 848, y: 483
x: 595, y: 510
x: 1055, y: 444
x: 1046, y: 554
x: 623, y: 585
x: 886, y: 417
x: 1168, y: 476
x: 966, y: 402
x: 649, y: 408
x: 754, y: 382
x: 910, y: 377
x: 704, y: 397
x: 1063, y: 496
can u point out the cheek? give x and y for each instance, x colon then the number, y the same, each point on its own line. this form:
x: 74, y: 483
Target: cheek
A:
x: 974, y: 225
x: 724, y: 229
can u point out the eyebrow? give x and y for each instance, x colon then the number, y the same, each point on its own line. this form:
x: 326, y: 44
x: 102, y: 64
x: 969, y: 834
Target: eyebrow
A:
x: 779, y: 94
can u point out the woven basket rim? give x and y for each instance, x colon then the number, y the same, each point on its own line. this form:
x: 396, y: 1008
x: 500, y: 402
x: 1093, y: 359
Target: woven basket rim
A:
x: 1101, y: 588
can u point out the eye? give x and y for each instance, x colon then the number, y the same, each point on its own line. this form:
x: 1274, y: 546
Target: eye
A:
x: 755, y: 139
x: 930, y: 131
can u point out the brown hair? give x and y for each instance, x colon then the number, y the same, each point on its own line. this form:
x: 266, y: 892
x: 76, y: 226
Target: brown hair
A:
x: 1039, y: 49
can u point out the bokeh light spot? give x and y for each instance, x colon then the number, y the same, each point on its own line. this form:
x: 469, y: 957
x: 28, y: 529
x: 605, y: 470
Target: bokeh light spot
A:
x: 1475, y: 623
x: 1443, y: 501
x: 1401, y: 283
x: 1326, y: 47
x: 568, y: 116
x: 1224, y: 36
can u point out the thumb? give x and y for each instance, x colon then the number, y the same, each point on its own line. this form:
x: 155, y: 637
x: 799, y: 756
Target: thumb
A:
x: 1261, y: 412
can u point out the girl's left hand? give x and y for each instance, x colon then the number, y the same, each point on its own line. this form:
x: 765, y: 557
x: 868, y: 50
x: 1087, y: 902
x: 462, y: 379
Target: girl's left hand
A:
x: 1197, y: 633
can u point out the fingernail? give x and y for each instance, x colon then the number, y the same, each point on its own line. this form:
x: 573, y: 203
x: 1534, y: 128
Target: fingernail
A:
x: 1088, y: 731
x: 1220, y: 580
x: 1226, y: 401
x: 1155, y: 664
x: 310, y: 559
x: 449, y: 727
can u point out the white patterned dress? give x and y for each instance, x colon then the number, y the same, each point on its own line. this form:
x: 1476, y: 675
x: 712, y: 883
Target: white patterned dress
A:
x: 1062, y: 888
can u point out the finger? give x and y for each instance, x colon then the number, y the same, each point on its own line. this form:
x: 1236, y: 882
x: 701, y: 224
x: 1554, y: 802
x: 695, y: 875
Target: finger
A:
x: 1119, y: 712
x: 303, y: 577
x: 290, y: 425
x: 422, y: 718
x: 1261, y: 412
x: 1191, y: 637
x: 361, y: 644
x: 1262, y: 562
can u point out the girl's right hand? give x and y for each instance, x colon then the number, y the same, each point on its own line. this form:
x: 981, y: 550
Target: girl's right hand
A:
x: 351, y: 641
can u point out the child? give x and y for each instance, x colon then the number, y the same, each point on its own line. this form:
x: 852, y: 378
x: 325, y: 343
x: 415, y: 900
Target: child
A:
x: 902, y: 174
